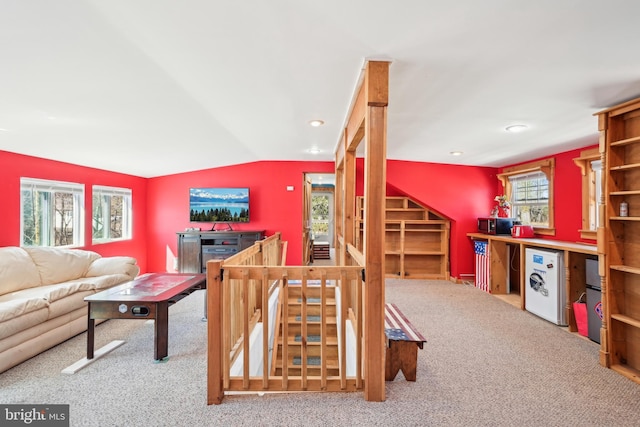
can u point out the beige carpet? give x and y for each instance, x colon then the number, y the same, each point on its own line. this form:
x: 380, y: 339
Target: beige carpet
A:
x: 486, y: 363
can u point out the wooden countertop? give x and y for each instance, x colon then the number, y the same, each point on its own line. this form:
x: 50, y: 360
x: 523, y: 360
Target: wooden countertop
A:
x: 539, y: 243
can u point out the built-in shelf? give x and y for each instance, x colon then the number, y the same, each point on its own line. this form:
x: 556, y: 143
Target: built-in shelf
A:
x: 621, y: 142
x: 416, y: 239
x: 624, y: 193
x: 625, y: 167
x: 625, y: 269
x: 624, y: 218
x: 619, y: 239
x: 626, y: 319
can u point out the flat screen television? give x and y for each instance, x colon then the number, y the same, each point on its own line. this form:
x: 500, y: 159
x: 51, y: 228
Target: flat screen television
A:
x: 215, y: 205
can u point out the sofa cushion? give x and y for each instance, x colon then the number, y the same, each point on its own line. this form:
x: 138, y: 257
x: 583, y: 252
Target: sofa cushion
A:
x: 50, y: 293
x: 17, y: 270
x: 12, y: 325
x: 101, y: 283
x: 12, y: 307
x: 58, y: 265
x: 113, y: 265
x: 64, y: 306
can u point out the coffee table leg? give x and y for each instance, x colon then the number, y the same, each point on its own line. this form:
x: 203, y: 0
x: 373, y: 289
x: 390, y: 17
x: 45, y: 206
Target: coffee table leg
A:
x: 161, y: 330
x: 90, y: 334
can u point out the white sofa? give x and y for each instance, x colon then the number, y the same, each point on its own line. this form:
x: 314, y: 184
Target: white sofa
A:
x: 42, y: 293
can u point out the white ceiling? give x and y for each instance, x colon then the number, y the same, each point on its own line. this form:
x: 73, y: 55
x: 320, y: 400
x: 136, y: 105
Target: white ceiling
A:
x: 156, y: 87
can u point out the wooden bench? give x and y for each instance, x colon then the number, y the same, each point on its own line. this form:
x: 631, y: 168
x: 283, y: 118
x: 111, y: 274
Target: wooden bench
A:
x: 403, y: 341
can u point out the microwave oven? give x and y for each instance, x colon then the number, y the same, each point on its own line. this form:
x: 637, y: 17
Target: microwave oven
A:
x: 494, y: 225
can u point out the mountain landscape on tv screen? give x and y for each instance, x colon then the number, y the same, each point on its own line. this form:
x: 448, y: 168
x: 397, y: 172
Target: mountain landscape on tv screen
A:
x: 219, y: 205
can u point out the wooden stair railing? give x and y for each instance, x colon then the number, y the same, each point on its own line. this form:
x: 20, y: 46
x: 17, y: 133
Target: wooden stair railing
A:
x: 301, y: 364
x: 306, y: 348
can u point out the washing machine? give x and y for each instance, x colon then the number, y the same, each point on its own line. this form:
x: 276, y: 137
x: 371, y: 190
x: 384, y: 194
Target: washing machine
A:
x: 545, y: 294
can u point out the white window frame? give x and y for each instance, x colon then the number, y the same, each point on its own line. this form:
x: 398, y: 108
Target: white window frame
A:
x: 590, y: 164
x: 101, y: 191
x: 48, y: 188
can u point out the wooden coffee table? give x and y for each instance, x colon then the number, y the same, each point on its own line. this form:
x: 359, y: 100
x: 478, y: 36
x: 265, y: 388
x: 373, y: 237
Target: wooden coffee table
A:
x: 147, y: 297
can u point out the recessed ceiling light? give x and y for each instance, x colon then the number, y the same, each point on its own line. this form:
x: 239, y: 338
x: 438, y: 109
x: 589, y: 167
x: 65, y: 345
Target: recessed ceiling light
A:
x: 314, y: 150
x: 456, y: 153
x: 516, y: 128
x: 316, y: 123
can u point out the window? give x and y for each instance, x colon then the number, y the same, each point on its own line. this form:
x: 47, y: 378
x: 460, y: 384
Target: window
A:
x: 530, y: 198
x: 591, y: 168
x: 529, y: 188
x: 111, y: 214
x: 51, y: 212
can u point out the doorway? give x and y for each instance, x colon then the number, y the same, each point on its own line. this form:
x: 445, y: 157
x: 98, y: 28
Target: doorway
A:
x: 322, y: 216
x: 319, y: 211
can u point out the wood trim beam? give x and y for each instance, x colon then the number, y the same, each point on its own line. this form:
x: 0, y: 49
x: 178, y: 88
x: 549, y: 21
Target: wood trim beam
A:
x: 349, y: 198
x: 340, y: 150
x: 355, y: 123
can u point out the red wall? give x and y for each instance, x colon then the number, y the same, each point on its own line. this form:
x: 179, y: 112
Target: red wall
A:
x: 272, y: 207
x: 461, y: 193
x: 14, y: 166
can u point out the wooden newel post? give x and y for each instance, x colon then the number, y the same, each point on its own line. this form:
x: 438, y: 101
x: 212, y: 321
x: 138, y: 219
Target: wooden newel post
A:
x: 215, y: 387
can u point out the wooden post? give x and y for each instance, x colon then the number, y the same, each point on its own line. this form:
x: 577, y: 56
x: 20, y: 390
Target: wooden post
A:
x: 603, y: 262
x: 367, y: 120
x: 376, y: 85
x: 215, y: 389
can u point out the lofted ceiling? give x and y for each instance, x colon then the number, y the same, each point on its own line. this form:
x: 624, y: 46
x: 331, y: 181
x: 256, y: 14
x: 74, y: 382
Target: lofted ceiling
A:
x: 157, y: 87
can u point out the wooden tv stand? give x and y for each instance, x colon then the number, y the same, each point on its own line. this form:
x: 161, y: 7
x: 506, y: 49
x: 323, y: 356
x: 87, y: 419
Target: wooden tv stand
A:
x: 195, y: 248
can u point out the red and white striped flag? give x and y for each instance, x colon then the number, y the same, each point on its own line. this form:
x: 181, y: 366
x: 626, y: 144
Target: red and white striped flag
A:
x: 482, y: 265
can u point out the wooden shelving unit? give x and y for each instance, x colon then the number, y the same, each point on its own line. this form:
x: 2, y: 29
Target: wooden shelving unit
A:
x: 620, y: 240
x: 416, y: 239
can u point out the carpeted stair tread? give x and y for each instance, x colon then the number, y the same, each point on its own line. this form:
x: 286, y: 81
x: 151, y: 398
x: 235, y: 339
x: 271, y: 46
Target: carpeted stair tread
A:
x: 310, y: 338
x: 332, y: 341
x: 314, y: 361
x: 311, y: 300
x: 310, y: 318
x: 311, y: 360
x: 295, y: 300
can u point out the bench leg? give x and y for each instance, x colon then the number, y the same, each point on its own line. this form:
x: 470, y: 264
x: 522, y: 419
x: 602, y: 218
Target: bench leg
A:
x: 401, y: 355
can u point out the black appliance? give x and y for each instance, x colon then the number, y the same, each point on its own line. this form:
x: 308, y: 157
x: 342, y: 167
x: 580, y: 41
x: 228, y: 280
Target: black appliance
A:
x: 496, y: 225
